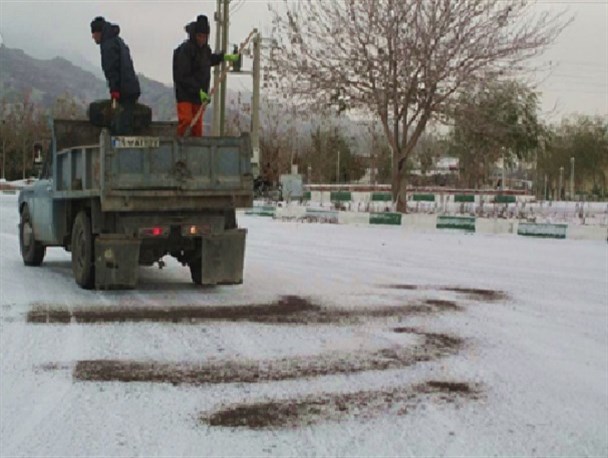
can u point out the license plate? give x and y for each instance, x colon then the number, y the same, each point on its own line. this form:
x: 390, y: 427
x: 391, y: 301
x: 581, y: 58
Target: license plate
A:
x: 135, y: 142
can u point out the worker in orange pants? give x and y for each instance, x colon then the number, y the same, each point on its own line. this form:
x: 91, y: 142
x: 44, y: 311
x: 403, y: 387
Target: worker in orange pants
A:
x: 186, y: 112
x: 192, y: 62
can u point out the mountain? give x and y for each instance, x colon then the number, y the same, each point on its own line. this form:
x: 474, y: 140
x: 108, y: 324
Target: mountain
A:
x: 48, y: 79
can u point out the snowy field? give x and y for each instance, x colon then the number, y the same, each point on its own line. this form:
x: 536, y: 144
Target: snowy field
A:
x: 342, y: 341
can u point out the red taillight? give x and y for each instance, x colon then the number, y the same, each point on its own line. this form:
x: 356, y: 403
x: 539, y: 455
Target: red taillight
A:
x: 156, y: 231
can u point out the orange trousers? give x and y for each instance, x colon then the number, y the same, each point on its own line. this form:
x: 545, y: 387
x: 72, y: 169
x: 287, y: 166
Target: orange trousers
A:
x: 186, y: 111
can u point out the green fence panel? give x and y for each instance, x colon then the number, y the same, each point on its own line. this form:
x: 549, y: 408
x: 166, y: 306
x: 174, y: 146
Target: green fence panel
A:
x: 307, y: 195
x: 464, y: 198
x: 340, y: 196
x: 424, y: 197
x: 502, y: 199
x: 546, y: 230
x: 262, y: 210
x: 382, y: 197
x: 465, y: 223
x: 385, y: 218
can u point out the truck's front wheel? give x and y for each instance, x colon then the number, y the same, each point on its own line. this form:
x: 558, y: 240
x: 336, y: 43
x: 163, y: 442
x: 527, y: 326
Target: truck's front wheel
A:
x: 32, y: 252
x: 83, y: 262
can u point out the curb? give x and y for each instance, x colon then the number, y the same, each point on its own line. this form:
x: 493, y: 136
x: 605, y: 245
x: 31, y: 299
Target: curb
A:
x: 416, y: 222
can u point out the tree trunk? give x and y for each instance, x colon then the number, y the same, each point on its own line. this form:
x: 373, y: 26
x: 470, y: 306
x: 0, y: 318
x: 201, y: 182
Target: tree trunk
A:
x: 398, y: 185
x: 402, y: 198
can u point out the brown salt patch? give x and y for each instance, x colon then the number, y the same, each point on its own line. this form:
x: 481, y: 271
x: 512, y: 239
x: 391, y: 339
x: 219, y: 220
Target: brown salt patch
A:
x: 443, y: 305
x: 433, y: 346
x: 403, y: 286
x: 286, y: 310
x: 489, y: 295
x: 293, y: 413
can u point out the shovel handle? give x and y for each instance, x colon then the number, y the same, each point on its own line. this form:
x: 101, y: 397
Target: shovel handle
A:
x: 201, y: 110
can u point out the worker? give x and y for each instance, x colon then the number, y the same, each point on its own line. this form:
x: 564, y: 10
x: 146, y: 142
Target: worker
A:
x: 192, y: 62
x: 120, y: 74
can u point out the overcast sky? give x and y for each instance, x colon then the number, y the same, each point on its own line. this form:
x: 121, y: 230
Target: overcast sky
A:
x: 577, y: 81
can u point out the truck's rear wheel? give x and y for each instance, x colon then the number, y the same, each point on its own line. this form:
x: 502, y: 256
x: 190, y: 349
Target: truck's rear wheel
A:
x: 196, y: 271
x: 32, y: 252
x: 83, y: 262
x: 230, y: 219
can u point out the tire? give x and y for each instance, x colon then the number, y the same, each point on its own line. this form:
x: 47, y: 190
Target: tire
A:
x: 195, y: 263
x: 196, y: 271
x: 83, y: 262
x: 230, y: 219
x: 32, y: 251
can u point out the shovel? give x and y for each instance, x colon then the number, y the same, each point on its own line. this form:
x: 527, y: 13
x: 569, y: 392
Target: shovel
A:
x: 201, y: 110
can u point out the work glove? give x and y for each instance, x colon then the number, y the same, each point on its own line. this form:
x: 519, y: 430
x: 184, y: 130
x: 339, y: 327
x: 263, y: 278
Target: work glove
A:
x: 115, y: 95
x: 205, y: 99
x: 232, y: 58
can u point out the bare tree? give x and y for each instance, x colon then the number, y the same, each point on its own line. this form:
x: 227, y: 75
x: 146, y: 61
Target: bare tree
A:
x: 67, y: 107
x: 280, y: 141
x: 400, y: 61
x: 23, y: 123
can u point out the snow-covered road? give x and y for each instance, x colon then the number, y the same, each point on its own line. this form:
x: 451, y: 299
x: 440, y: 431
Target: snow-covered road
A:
x: 353, y: 340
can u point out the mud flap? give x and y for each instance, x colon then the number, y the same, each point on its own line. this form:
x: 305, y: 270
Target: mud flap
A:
x: 223, y: 258
x: 116, y: 262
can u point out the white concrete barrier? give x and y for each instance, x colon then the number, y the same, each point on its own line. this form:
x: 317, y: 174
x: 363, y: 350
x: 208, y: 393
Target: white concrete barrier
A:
x: 496, y: 226
x: 290, y: 212
x: 578, y: 232
x: 419, y: 222
x: 353, y: 218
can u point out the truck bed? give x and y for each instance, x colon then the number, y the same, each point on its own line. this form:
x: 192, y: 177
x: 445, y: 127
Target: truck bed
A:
x: 153, y: 171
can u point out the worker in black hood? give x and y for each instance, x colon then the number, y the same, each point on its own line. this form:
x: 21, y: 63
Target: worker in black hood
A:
x: 118, y: 68
x: 192, y: 62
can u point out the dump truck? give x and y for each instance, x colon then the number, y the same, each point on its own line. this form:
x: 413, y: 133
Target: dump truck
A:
x: 120, y: 202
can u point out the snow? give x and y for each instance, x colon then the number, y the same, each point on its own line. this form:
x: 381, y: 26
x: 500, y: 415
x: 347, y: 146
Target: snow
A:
x: 540, y: 356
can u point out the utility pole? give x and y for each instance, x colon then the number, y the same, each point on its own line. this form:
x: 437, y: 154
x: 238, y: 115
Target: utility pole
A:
x: 572, y: 178
x: 3, y: 159
x: 216, y: 70
x: 4, y: 150
x: 536, y: 184
x: 504, y: 174
x: 255, y: 104
x: 24, y: 156
x: 338, y: 168
x: 226, y: 26
x: 561, y: 182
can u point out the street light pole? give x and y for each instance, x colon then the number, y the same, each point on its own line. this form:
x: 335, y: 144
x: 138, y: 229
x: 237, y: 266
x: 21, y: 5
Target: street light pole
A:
x: 3, y: 159
x: 504, y: 174
x: 338, y: 168
x: 4, y: 150
x: 572, y: 178
x: 561, y: 182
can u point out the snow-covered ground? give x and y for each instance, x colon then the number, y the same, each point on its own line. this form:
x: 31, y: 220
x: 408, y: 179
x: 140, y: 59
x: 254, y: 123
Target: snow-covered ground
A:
x: 354, y: 341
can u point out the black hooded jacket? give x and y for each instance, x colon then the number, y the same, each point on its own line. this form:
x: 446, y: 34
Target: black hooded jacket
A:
x: 117, y: 64
x: 192, y: 69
